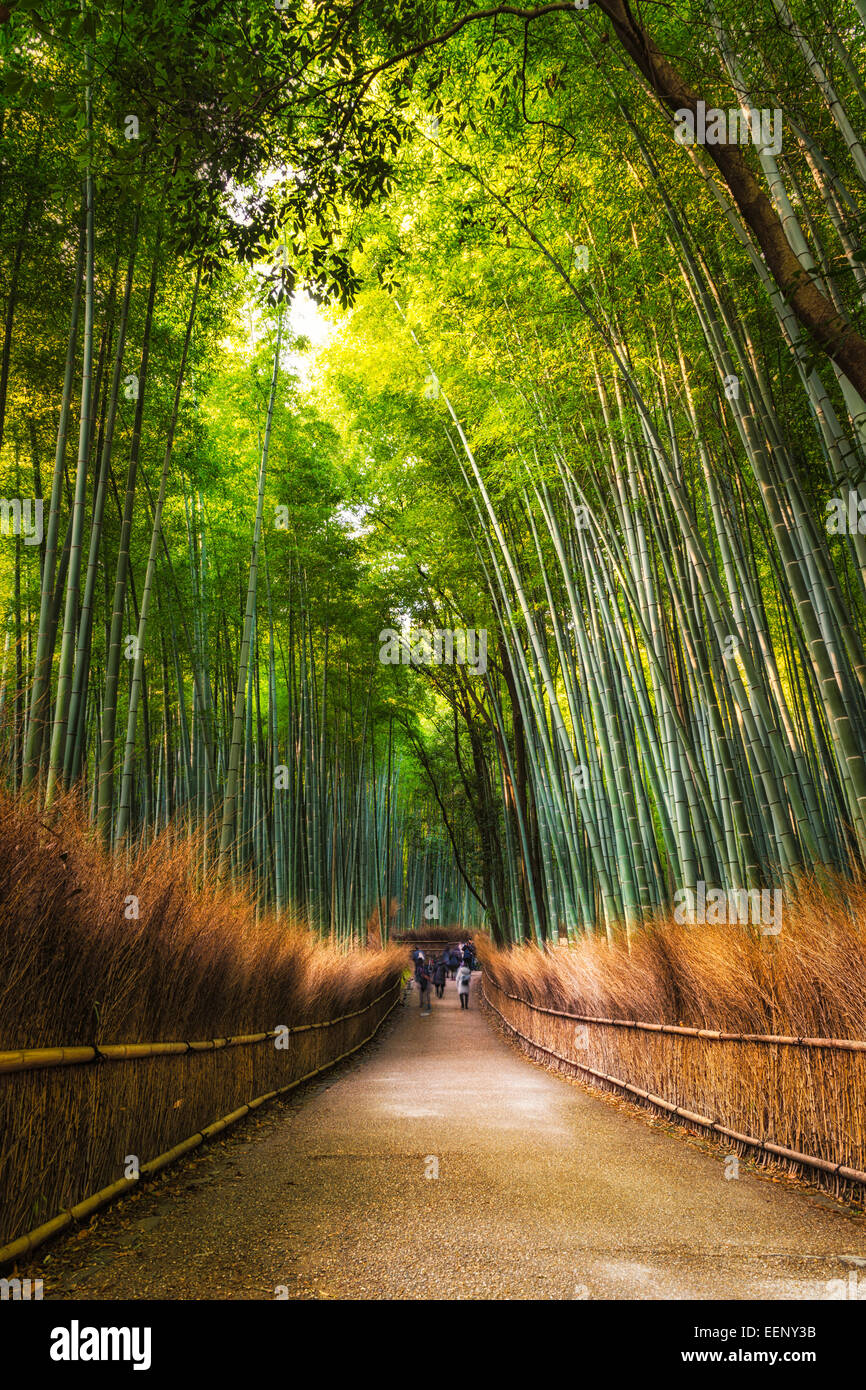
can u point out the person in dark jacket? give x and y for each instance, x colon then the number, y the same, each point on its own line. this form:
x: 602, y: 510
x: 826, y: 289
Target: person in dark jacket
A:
x: 469, y: 955
x: 419, y: 966
x: 424, y: 979
x: 440, y: 972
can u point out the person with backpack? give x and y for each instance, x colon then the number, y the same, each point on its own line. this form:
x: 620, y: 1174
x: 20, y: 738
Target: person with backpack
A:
x: 468, y: 955
x: 440, y: 972
x: 418, y: 959
x: 464, y: 976
x: 424, y: 977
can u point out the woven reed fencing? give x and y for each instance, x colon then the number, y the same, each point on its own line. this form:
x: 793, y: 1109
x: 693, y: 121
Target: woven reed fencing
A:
x: 70, y: 1118
x: 798, y: 1101
x: 436, y: 944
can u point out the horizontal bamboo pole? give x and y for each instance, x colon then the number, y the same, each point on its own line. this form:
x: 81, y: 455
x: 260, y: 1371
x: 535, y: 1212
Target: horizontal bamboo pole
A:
x: 822, y: 1164
x: 30, y: 1059
x: 771, y: 1039
x: 24, y: 1244
x: 429, y: 943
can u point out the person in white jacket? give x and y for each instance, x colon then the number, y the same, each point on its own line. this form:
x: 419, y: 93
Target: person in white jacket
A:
x: 464, y: 975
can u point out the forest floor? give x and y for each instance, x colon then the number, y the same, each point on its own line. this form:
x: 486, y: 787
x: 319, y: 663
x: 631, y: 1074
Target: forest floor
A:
x: 544, y: 1191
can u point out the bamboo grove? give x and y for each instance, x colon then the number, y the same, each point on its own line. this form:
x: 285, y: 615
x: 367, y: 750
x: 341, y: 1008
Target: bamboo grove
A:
x: 168, y: 650
x: 655, y: 473
x: 588, y: 387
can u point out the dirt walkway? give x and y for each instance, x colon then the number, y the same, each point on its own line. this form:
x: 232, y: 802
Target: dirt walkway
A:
x: 543, y: 1191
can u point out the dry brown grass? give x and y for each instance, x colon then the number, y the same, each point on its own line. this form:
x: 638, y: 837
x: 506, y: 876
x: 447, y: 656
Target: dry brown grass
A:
x: 810, y: 981
x: 74, y: 969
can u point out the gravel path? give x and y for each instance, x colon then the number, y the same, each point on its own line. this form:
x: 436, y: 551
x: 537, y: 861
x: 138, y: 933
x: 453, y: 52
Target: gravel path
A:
x: 544, y: 1191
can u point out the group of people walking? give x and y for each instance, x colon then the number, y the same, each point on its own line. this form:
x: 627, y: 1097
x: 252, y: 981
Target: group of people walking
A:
x: 456, y: 962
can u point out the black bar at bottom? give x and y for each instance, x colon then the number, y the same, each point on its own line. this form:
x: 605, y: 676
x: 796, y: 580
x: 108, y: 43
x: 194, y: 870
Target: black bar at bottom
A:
x: 221, y: 1342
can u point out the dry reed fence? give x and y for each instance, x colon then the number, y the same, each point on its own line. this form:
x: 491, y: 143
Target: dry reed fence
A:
x: 434, y: 938
x: 762, y: 1040
x: 195, y: 969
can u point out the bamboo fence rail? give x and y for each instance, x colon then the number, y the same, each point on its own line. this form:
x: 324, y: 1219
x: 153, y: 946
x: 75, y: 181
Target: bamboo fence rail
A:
x: 30, y: 1059
x: 431, y: 945
x: 677, y: 1029
x: 802, y: 1100
x: 58, y: 1108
